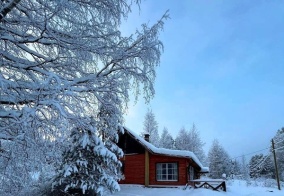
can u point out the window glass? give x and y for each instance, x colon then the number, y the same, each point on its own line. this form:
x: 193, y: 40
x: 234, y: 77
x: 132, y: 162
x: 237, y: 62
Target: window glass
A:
x: 166, y: 172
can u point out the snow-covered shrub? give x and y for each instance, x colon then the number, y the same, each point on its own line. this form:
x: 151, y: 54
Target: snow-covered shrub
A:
x: 248, y: 182
x: 269, y: 183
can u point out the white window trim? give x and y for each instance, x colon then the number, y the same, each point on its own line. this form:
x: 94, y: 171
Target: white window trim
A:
x: 167, y: 166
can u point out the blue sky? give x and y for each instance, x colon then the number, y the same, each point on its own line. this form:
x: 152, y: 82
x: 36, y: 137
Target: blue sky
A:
x: 222, y: 69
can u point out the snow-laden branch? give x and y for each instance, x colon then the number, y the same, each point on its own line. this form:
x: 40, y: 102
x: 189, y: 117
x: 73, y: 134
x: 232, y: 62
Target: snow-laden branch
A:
x: 8, y: 8
x: 66, y: 66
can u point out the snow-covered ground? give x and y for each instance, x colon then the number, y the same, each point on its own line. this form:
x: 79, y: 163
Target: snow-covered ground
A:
x: 236, y: 187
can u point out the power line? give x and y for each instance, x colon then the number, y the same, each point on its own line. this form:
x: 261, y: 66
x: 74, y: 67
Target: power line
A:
x: 251, y: 152
x: 260, y: 162
x: 242, y: 155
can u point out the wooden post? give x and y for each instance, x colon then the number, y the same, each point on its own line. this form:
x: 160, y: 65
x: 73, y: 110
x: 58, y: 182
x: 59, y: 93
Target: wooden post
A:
x: 146, y: 168
x: 275, y: 163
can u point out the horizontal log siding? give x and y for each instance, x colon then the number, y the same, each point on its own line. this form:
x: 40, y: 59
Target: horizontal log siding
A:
x: 182, y: 173
x: 134, y: 169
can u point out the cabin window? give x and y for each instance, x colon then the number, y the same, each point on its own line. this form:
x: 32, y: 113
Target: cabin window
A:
x: 167, y: 171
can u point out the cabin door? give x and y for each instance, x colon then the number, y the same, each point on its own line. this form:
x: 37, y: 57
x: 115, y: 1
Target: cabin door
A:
x: 190, y: 173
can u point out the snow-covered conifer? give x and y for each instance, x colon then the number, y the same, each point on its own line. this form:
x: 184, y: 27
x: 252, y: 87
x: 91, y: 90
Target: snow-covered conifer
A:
x: 255, y: 165
x: 219, y: 160
x: 182, y: 140
x: 279, y: 146
x: 166, y: 140
x: 151, y: 127
x: 83, y: 163
x: 190, y: 140
x: 94, y: 155
x: 196, y: 144
x: 244, y: 168
x: 261, y: 166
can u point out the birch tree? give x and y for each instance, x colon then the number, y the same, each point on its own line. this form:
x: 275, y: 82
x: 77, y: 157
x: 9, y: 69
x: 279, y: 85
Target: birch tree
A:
x: 58, y: 61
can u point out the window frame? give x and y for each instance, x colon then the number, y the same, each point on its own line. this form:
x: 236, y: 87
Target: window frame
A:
x: 174, y: 172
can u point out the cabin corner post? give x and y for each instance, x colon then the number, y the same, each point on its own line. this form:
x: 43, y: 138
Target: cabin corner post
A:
x: 146, y: 168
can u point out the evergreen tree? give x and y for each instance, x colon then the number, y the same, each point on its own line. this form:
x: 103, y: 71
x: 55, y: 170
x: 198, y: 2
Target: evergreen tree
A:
x: 196, y: 144
x: 236, y: 168
x: 255, y: 165
x: 166, y: 140
x: 244, y: 168
x: 182, y: 140
x: 94, y: 153
x: 83, y: 162
x: 219, y: 161
x: 261, y: 166
x: 191, y: 141
x: 279, y: 146
x: 151, y: 127
x: 268, y: 170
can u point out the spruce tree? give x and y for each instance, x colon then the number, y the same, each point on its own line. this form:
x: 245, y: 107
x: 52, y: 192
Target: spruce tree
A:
x: 151, y: 127
x: 166, y: 140
x: 182, y: 140
x: 191, y: 141
x: 92, y: 162
x: 279, y: 146
x: 219, y: 160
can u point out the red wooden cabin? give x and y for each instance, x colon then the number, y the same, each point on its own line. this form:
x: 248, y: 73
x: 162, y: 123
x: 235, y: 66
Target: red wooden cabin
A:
x: 148, y: 165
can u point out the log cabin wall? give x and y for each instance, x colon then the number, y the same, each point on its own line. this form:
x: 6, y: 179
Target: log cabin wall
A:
x: 134, y: 169
x: 182, y: 169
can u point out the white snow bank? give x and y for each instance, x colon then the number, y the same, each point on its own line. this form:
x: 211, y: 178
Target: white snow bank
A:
x: 234, y: 188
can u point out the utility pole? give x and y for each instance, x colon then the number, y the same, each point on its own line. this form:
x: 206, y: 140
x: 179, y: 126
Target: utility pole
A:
x: 276, y: 168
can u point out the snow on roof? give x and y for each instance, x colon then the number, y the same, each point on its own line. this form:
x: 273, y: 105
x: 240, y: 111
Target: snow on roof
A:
x: 169, y: 152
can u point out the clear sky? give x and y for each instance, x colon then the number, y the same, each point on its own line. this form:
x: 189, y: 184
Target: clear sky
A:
x: 222, y: 69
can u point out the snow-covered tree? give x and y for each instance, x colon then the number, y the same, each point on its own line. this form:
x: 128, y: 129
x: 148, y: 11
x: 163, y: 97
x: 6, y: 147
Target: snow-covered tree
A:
x: 219, y: 161
x: 236, y: 168
x: 190, y: 140
x: 182, y: 140
x: 279, y: 146
x: 94, y: 154
x: 196, y: 144
x: 166, y: 140
x: 58, y: 61
x: 256, y: 165
x: 244, y: 168
x: 151, y: 127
